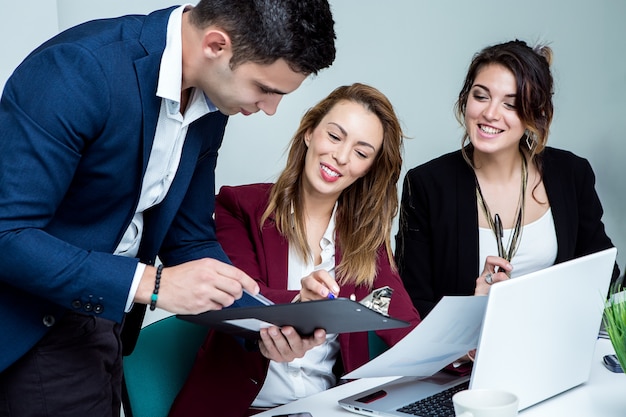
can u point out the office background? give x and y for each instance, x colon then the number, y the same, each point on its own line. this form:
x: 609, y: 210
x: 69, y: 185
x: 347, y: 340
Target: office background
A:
x: 416, y: 52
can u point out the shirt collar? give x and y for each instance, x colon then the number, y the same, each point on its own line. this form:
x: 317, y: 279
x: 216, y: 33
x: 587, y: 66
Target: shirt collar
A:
x: 329, y: 234
x: 171, y: 70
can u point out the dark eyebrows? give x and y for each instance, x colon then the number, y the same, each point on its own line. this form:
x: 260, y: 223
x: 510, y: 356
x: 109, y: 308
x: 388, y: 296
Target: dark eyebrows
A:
x: 487, y: 90
x: 271, y: 90
x: 343, y: 131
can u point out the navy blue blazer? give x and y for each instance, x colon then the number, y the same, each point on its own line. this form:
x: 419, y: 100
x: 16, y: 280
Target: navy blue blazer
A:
x: 78, y: 119
x: 437, y: 242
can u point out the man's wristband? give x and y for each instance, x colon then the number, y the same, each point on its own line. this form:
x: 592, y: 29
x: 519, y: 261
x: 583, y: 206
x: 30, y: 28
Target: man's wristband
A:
x: 157, y: 284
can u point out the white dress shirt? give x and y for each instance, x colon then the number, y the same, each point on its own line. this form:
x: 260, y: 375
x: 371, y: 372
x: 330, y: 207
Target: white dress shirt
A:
x: 313, y: 373
x: 169, y: 139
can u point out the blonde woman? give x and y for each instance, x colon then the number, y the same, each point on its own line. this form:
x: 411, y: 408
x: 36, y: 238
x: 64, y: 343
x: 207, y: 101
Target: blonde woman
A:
x: 323, y: 228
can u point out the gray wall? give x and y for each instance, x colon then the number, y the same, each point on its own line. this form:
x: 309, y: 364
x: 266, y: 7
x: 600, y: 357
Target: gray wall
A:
x: 416, y: 52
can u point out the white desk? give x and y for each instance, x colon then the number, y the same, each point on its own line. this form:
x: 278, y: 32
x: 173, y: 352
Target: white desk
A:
x: 604, y: 395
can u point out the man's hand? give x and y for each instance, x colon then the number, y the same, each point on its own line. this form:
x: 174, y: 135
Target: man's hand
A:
x: 285, y: 344
x: 196, y: 286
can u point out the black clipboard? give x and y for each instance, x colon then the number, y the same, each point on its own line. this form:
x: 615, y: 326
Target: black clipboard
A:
x: 340, y: 315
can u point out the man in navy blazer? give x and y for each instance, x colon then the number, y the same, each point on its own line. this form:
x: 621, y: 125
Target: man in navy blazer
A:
x: 108, y: 145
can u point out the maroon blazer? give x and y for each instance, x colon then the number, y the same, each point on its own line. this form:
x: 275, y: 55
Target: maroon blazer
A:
x: 223, y: 368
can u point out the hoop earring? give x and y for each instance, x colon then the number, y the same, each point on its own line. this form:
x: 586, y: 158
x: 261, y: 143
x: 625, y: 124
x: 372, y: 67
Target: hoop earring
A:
x: 531, y: 140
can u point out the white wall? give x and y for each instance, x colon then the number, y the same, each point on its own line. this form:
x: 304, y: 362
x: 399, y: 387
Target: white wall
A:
x: 23, y: 26
x: 417, y: 52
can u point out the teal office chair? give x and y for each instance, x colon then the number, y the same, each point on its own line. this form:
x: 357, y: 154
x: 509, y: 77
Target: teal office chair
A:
x: 376, y: 344
x: 158, y: 367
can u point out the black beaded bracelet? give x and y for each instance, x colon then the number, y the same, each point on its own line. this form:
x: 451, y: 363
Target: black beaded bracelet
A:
x: 157, y: 284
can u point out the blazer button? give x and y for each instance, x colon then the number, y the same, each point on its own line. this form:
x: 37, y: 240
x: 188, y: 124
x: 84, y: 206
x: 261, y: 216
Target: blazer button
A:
x: 48, y: 320
x: 88, y: 306
x: 98, y: 308
x: 77, y: 304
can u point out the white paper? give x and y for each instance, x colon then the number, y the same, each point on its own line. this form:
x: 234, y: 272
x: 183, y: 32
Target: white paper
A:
x: 250, y: 324
x: 449, y: 331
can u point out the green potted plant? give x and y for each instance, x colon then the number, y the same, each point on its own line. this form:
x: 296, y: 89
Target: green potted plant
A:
x: 615, y: 320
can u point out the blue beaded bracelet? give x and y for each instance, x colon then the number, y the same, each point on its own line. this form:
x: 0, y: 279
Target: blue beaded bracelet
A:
x: 157, y: 284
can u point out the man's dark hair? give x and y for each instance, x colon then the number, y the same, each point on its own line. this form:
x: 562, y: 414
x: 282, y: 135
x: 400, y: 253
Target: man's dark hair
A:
x: 262, y: 31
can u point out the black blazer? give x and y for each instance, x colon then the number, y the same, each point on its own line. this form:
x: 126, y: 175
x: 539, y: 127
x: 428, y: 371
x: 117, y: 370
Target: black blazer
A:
x: 437, y: 242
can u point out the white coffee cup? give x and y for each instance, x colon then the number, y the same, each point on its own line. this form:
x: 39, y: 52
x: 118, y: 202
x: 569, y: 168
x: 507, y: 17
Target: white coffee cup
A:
x: 485, y: 403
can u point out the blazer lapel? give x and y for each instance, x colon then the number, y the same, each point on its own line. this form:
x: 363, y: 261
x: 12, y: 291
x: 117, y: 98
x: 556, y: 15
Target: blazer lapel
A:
x: 277, y: 250
x: 467, y: 220
x: 560, y: 211
x: 153, y: 38
x: 147, y: 74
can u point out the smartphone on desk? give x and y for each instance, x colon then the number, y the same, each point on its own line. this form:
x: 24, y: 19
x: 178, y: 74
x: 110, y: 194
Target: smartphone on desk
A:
x: 612, y: 364
x: 294, y: 415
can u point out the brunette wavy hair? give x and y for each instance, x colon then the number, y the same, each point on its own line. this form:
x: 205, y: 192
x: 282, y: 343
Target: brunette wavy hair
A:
x: 531, y: 68
x: 365, y: 209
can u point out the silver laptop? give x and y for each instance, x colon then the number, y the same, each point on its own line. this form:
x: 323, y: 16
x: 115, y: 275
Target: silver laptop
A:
x: 537, y: 340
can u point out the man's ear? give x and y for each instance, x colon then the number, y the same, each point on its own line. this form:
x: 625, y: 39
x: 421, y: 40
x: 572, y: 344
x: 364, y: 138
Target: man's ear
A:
x: 215, y: 43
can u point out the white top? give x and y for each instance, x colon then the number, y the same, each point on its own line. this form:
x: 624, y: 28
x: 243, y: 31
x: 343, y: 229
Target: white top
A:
x: 537, y: 247
x: 171, y: 131
x: 312, y: 373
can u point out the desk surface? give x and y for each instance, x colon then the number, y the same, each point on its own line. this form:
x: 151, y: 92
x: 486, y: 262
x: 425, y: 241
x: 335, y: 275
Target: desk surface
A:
x: 604, y: 394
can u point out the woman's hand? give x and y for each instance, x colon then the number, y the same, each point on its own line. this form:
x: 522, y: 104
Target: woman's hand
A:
x: 489, y: 276
x: 318, y: 285
x: 285, y: 344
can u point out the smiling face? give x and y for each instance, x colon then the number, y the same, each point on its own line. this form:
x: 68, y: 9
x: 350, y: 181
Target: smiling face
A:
x: 341, y: 149
x: 491, y: 119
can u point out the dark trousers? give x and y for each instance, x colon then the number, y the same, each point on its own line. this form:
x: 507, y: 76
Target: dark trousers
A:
x: 74, y: 371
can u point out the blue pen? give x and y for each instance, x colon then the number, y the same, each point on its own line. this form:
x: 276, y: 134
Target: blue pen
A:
x: 331, y: 296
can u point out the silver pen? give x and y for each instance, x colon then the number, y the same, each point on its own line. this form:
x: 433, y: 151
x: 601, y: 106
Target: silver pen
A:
x: 499, y: 236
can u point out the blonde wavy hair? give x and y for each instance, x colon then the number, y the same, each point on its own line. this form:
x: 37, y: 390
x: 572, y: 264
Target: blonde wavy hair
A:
x: 365, y: 209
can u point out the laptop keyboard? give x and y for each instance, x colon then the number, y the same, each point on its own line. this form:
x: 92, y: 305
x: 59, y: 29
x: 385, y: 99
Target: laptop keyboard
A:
x: 438, y: 405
